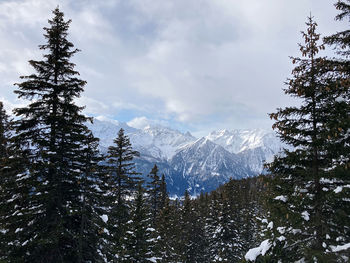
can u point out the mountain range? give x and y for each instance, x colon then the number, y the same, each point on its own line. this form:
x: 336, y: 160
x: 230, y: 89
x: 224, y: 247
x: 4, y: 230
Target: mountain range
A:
x: 195, y: 164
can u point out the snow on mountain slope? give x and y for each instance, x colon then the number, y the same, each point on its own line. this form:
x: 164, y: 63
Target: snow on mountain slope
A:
x: 107, y: 131
x: 205, y: 165
x: 236, y: 141
x: 161, y: 142
x: 156, y: 141
x: 254, y: 146
x: 190, y: 163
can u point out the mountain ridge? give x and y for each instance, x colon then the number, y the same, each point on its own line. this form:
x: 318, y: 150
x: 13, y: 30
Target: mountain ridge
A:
x: 190, y: 163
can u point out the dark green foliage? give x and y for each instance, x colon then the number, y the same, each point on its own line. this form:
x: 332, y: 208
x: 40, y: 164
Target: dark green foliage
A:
x: 304, y: 205
x: 163, y: 193
x: 168, y: 225
x: 11, y: 164
x: 192, y: 240
x: 341, y: 40
x: 121, y: 168
x: 92, y: 236
x: 120, y: 185
x: 234, y: 214
x: 51, y: 131
x: 141, y: 237
x: 154, y: 193
x: 4, y: 133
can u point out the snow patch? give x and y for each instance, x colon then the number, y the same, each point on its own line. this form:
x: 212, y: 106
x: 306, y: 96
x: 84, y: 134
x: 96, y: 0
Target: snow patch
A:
x: 340, y: 188
x: 282, y: 198
x: 281, y: 238
x: 340, y: 248
x: 282, y: 230
x: 253, y: 253
x: 104, y: 218
x: 305, y: 215
x: 270, y: 225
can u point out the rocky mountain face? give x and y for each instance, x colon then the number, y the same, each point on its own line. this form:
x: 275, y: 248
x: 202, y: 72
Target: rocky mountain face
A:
x: 254, y: 146
x: 190, y: 163
x: 205, y: 165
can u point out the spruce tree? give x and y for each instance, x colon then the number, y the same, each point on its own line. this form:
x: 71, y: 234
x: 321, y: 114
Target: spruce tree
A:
x: 339, y: 129
x: 303, y: 202
x: 163, y: 193
x: 169, y: 233
x: 154, y: 193
x: 51, y: 131
x: 140, y: 237
x: 192, y: 248
x: 121, y: 184
x: 12, y: 191
x: 94, y: 218
x: 339, y: 103
x: 4, y: 133
x: 211, y: 226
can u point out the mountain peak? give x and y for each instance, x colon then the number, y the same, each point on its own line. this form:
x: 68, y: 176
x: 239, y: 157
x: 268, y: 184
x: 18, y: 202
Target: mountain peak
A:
x: 187, y: 161
x: 188, y: 134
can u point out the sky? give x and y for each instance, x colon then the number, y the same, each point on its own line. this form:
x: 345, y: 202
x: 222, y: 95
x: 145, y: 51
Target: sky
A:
x: 196, y: 65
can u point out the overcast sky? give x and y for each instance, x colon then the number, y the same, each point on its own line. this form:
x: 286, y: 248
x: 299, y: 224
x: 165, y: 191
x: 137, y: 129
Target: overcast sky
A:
x: 196, y: 65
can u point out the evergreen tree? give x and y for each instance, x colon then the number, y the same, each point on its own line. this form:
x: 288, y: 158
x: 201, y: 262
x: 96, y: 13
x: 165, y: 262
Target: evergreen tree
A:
x: 154, y: 193
x: 212, y: 227
x: 247, y: 205
x: 51, y: 131
x: 231, y: 227
x: 4, y: 134
x: 339, y: 137
x: 341, y: 39
x: 140, y: 236
x: 163, y: 193
x: 121, y: 181
x: 192, y: 233
x: 169, y: 233
x: 302, y: 199
x: 12, y: 192
x: 92, y: 235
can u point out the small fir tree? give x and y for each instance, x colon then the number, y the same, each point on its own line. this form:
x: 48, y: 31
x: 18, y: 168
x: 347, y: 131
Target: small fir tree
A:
x: 140, y: 237
x: 154, y: 193
x: 12, y: 192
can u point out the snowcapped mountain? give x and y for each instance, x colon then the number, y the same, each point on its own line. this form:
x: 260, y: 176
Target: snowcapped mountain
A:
x: 160, y: 142
x: 191, y: 163
x: 236, y: 141
x: 107, y: 130
x: 254, y: 146
x: 205, y: 165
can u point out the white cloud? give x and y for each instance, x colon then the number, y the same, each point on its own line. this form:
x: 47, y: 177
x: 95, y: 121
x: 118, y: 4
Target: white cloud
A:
x: 27, y: 12
x: 92, y: 106
x: 139, y: 122
x: 10, y: 106
x: 104, y: 118
x: 142, y: 122
x: 201, y: 63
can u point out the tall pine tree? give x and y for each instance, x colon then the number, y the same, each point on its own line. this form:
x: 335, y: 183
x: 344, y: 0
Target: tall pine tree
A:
x: 307, y: 214
x: 51, y: 131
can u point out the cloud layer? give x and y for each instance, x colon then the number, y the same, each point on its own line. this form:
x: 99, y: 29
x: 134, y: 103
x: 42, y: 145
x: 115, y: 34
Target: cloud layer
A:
x: 198, y: 65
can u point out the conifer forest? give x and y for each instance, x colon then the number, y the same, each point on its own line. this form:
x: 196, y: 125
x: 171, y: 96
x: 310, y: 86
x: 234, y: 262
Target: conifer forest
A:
x: 64, y: 200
